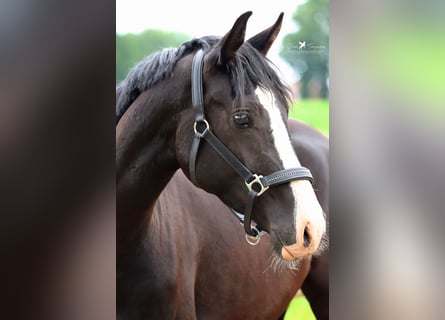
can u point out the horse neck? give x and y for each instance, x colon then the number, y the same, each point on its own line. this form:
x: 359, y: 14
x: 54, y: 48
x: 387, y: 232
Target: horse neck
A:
x: 145, y: 158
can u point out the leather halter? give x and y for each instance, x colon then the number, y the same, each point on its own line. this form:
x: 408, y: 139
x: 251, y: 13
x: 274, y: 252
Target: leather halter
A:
x: 256, y: 184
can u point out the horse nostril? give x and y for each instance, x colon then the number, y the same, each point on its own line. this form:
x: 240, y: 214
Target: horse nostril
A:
x: 307, y: 238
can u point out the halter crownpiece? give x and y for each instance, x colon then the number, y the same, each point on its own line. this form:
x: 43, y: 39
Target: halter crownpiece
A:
x: 256, y: 184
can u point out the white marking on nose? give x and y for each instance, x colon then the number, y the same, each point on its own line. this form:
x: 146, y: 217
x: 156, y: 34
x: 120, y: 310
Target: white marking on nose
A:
x: 307, y: 212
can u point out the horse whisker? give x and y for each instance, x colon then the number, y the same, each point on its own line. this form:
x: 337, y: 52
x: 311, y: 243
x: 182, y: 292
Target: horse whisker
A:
x: 278, y: 264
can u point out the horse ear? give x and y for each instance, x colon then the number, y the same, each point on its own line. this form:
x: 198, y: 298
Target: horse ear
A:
x: 263, y: 40
x: 233, y: 39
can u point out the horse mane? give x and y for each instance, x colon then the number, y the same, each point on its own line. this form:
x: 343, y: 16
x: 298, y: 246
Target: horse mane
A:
x: 249, y: 66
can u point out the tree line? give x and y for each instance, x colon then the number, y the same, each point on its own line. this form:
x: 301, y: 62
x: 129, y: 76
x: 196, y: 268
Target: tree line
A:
x: 131, y: 48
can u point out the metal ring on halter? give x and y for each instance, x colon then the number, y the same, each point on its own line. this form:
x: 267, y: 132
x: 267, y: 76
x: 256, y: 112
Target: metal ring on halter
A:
x: 257, y: 180
x: 253, y: 240
x: 201, y: 134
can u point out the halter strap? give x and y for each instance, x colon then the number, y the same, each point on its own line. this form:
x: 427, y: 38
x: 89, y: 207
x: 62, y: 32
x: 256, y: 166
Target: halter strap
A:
x: 197, y: 87
x: 198, y: 108
x: 256, y: 184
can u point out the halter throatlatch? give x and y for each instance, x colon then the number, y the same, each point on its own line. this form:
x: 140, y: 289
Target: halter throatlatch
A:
x: 256, y: 184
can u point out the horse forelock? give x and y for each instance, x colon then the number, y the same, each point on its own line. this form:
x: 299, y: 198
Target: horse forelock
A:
x: 251, y: 69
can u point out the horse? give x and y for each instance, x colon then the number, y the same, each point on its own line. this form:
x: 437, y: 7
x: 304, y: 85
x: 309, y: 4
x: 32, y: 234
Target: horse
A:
x: 215, y: 109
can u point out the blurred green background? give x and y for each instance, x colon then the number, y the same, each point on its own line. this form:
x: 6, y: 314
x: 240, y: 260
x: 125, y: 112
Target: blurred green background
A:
x: 314, y: 112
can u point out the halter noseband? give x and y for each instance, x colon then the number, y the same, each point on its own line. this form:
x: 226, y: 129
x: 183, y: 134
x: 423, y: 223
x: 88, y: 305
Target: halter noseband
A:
x: 256, y: 184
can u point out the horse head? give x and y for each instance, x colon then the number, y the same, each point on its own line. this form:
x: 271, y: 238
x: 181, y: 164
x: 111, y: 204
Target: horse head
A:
x: 239, y: 101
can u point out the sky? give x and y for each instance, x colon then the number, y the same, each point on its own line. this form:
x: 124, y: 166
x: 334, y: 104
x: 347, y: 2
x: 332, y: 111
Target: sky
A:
x: 199, y: 18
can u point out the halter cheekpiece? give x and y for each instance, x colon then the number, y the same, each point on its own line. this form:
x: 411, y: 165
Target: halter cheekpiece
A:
x: 256, y: 184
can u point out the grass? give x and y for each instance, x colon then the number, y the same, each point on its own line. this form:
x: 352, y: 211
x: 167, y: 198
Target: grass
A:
x: 314, y: 112
x: 300, y: 309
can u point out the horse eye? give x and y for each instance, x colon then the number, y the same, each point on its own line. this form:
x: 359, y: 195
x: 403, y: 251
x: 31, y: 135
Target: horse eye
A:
x: 241, y: 119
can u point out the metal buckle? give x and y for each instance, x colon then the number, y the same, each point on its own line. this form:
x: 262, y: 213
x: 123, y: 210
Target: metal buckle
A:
x: 253, y: 240
x: 257, y: 179
x: 201, y: 134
